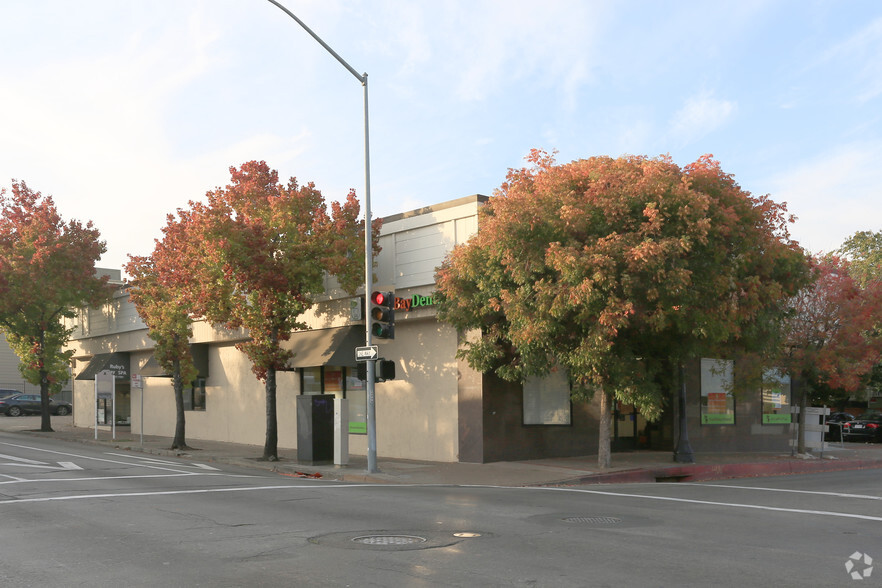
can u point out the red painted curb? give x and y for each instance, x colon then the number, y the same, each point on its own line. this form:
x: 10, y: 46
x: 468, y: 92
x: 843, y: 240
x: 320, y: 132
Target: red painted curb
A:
x: 698, y: 472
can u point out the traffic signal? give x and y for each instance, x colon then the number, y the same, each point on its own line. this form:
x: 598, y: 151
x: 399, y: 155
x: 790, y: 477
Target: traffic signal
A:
x: 383, y: 370
x: 356, y: 308
x: 383, y: 315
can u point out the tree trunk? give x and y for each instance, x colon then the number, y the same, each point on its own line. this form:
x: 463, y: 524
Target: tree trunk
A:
x: 603, y: 443
x: 180, y: 441
x: 271, y: 447
x: 45, y: 422
x: 803, y: 400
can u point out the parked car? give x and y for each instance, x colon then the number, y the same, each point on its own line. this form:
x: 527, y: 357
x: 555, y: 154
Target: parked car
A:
x: 7, y: 392
x: 867, y: 427
x: 834, y: 425
x: 20, y: 404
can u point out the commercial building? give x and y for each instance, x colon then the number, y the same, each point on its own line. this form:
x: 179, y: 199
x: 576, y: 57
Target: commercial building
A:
x: 437, y: 408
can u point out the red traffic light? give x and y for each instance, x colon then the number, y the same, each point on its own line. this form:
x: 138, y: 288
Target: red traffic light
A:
x: 383, y: 299
x: 383, y: 315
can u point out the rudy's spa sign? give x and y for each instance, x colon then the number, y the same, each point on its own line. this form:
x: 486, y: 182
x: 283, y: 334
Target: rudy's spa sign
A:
x: 414, y: 301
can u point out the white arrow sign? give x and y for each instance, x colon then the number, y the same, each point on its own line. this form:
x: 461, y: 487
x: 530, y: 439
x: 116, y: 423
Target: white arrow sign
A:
x: 367, y: 352
x: 30, y: 463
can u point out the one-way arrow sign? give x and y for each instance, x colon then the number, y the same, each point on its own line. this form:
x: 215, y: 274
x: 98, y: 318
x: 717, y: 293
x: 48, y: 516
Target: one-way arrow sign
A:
x: 367, y: 353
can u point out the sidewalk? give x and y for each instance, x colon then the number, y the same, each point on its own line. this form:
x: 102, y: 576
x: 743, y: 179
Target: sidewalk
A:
x: 637, y: 466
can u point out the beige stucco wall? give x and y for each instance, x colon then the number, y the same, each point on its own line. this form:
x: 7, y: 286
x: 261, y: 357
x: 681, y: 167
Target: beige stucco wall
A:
x: 417, y: 413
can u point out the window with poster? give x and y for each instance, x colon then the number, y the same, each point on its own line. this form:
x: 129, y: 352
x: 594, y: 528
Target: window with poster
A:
x: 776, y: 397
x: 342, y: 382
x: 717, y: 383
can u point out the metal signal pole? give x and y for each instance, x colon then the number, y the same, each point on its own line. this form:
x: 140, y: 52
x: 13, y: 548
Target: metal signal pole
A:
x: 368, y: 248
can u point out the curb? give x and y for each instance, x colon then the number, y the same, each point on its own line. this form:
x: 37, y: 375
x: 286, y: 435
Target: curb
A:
x: 697, y: 473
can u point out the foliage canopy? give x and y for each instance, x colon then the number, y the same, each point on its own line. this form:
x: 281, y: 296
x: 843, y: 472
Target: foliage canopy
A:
x: 618, y: 269
x: 47, y: 272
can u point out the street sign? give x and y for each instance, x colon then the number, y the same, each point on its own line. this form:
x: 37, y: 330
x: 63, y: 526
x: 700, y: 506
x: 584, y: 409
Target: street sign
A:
x: 367, y: 353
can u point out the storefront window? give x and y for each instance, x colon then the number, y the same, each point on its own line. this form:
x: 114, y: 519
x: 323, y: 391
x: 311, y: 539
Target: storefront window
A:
x: 194, y: 396
x: 776, y: 397
x: 356, y: 392
x: 547, y: 399
x: 717, y: 401
x: 342, y: 382
x: 333, y: 381
x: 311, y: 380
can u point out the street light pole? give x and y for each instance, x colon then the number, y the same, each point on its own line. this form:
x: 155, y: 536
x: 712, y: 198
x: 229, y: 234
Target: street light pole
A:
x: 368, y: 246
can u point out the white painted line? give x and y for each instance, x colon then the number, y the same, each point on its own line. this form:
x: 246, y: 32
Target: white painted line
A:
x: 399, y: 486
x: 78, y: 456
x: 179, y: 492
x: 161, y: 461
x: 142, y: 458
x: 30, y: 463
x: 21, y: 459
x: 714, y: 503
x: 813, y: 492
x: 98, y: 478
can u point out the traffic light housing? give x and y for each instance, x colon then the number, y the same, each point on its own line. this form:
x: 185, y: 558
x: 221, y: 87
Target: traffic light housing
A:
x: 383, y: 315
x: 383, y: 370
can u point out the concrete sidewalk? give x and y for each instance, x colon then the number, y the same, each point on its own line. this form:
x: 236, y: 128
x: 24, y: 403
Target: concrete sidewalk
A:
x: 637, y: 466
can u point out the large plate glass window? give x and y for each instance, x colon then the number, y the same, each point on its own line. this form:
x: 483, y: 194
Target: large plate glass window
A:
x: 717, y: 383
x: 547, y: 399
x: 776, y: 397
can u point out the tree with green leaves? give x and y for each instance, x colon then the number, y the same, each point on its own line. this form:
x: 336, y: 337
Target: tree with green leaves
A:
x: 268, y: 249
x: 618, y: 271
x: 864, y: 253
x: 156, y: 289
x: 47, y: 272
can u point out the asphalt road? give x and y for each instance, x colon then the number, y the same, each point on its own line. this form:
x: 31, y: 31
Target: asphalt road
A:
x: 82, y: 515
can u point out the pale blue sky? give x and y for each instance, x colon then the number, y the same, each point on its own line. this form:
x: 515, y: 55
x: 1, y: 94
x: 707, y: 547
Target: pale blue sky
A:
x: 124, y: 111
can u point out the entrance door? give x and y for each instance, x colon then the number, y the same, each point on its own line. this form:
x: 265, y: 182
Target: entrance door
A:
x: 631, y: 430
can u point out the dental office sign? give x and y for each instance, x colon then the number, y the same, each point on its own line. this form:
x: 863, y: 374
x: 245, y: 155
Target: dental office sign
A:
x: 415, y: 301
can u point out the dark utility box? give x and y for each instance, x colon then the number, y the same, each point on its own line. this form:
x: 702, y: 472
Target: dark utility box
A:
x: 315, y: 429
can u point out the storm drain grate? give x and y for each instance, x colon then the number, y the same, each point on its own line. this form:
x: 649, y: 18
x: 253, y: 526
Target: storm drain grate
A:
x: 389, y: 539
x: 594, y: 520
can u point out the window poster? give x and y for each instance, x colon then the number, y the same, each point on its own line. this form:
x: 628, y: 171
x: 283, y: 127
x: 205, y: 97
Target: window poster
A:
x: 776, y: 397
x: 717, y: 383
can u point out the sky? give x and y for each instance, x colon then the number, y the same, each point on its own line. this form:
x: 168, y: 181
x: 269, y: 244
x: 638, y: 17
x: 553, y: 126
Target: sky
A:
x: 125, y: 112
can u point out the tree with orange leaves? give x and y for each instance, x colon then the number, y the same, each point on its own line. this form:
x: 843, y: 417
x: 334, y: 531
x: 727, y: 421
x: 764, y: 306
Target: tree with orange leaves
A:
x: 266, y: 252
x: 47, y: 272
x: 618, y: 270
x: 158, y: 287
x: 831, y: 334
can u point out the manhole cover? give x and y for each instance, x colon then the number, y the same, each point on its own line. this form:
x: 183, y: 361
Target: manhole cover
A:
x: 389, y: 539
x: 594, y: 520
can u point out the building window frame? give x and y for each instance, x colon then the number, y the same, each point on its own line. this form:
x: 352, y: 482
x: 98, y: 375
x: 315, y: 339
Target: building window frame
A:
x: 547, y: 401
x: 194, y: 396
x: 717, y: 403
